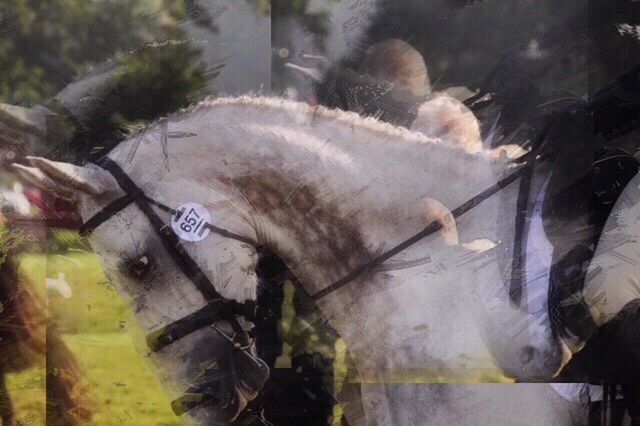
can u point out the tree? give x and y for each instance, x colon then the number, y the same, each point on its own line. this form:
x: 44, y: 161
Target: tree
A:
x: 45, y: 45
x: 499, y: 45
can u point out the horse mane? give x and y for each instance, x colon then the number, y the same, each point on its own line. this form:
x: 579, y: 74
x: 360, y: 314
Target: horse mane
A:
x: 348, y: 118
x: 337, y: 136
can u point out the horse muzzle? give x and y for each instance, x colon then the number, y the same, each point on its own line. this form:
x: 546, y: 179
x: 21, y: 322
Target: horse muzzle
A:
x: 222, y: 391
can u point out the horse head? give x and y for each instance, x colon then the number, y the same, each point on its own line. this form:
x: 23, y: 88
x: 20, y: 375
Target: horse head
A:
x: 327, y: 191
x: 193, y: 337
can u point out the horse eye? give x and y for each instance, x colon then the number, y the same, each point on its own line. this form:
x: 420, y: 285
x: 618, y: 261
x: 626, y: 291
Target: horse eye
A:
x: 139, y: 267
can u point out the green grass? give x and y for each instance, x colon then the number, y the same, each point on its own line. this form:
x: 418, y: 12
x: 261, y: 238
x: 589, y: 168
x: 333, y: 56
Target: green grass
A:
x: 95, y: 305
x: 99, y: 328
x: 26, y: 389
x: 124, y: 387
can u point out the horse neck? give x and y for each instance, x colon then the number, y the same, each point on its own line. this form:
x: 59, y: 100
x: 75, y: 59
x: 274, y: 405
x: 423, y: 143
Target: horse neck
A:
x: 324, y: 208
x: 321, y: 238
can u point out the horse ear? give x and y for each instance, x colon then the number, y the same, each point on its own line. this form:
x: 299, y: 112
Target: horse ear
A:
x: 35, y: 177
x: 314, y: 73
x: 309, y: 72
x: 434, y: 211
x: 66, y: 177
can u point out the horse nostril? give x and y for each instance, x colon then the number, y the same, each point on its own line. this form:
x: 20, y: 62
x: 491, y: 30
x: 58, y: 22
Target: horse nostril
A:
x: 526, y: 354
x: 552, y: 358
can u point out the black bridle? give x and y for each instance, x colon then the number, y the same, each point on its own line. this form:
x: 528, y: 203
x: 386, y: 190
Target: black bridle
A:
x: 133, y: 194
x: 527, y: 160
x: 218, y: 308
x: 222, y: 308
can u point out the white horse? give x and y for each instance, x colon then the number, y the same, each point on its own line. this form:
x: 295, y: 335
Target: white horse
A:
x: 327, y: 191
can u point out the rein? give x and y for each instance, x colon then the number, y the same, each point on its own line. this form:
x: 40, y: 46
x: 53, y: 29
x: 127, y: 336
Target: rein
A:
x: 220, y: 308
x: 133, y: 194
x: 529, y: 159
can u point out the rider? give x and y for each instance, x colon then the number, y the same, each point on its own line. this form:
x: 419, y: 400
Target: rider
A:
x: 391, y: 83
x: 606, y: 316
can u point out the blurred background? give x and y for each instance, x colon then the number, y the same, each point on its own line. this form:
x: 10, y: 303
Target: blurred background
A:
x: 77, y: 75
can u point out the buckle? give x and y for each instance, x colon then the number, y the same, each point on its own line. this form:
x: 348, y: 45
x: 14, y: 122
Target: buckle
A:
x: 239, y: 341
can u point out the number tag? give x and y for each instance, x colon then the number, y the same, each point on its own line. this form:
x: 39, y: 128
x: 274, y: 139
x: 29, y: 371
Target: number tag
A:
x: 190, y: 222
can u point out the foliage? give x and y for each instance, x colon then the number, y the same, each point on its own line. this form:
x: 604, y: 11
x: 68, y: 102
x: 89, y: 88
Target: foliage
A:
x: 555, y: 45
x: 149, y: 84
x: 10, y: 239
x: 45, y: 44
x: 61, y: 240
x: 262, y: 6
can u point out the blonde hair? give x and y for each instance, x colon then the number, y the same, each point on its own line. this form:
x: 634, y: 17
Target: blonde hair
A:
x: 396, y: 61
